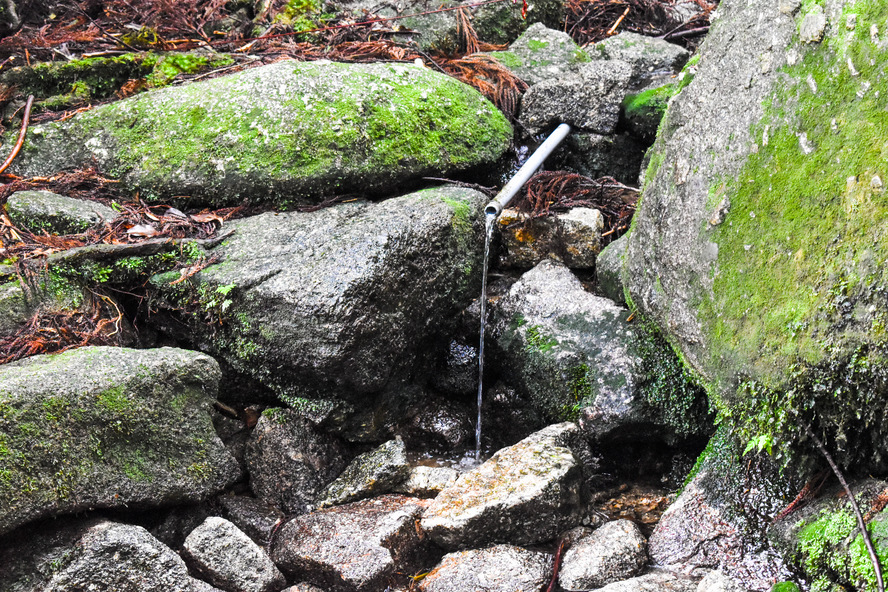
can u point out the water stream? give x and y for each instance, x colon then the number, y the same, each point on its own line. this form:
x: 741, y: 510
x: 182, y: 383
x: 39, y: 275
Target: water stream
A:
x: 489, y: 224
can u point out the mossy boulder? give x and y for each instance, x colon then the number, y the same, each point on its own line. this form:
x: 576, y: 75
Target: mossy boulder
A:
x: 331, y: 303
x: 758, y: 245
x: 102, y: 427
x: 573, y: 355
x: 286, y: 133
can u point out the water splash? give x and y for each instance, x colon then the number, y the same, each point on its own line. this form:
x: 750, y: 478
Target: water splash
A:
x: 489, y: 224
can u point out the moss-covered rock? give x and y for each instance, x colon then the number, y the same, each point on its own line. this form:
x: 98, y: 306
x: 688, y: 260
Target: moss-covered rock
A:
x: 69, y: 83
x: 541, y: 53
x: 331, y: 303
x: 572, y: 355
x: 285, y: 133
x: 107, y: 427
x: 758, y: 243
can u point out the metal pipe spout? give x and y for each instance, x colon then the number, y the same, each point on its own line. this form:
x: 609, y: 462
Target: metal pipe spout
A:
x: 527, y: 170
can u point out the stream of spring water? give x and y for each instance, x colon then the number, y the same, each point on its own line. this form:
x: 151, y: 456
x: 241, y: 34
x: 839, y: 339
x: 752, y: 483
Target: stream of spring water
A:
x: 489, y: 224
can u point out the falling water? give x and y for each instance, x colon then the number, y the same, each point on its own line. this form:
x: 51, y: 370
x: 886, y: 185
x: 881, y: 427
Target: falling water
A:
x: 489, y: 220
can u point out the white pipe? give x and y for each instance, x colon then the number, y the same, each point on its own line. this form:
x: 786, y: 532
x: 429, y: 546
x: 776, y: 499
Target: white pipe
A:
x: 526, y: 171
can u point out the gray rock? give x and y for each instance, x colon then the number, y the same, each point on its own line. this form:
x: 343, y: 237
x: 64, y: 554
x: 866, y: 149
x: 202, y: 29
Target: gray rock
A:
x: 713, y: 521
x: 372, y: 473
x: 14, y: 309
x: 108, y: 427
x: 255, y: 517
x: 572, y: 237
x: 572, y: 354
x: 658, y: 581
x: 616, y: 551
x: 427, y: 482
x: 813, y: 25
x: 719, y: 581
x: 303, y: 588
x: 498, y: 23
x: 354, y: 547
x: 290, y: 461
x: 229, y: 559
x: 351, y: 127
x: 542, y: 54
x: 306, y: 298
x: 525, y: 494
x: 616, y: 155
x: 757, y: 293
x: 96, y: 555
x: 647, y: 56
x: 588, y: 99
x: 609, y: 270
x: 172, y: 526
x: 54, y: 213
x: 495, y: 569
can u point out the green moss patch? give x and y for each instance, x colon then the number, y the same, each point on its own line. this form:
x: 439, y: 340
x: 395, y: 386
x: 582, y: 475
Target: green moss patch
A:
x: 798, y: 299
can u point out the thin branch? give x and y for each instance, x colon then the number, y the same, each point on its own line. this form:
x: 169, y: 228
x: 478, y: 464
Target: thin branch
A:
x: 860, y: 523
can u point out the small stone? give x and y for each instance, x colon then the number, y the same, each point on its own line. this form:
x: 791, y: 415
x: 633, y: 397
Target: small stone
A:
x: 813, y: 25
x: 255, y: 517
x: 788, y: 6
x: 614, y: 552
x: 495, y: 569
x: 851, y: 22
x: 44, y: 210
x: 230, y: 560
x: 658, y: 581
x: 427, y: 482
x: 718, y: 581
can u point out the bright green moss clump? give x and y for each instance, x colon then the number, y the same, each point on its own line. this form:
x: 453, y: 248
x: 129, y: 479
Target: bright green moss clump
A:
x: 832, y: 551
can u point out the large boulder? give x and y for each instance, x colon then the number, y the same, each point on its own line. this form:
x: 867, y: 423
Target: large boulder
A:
x: 98, y: 555
x: 331, y: 303
x: 288, y: 132
x: 525, y: 494
x: 758, y: 245
x: 572, y: 355
x: 103, y: 427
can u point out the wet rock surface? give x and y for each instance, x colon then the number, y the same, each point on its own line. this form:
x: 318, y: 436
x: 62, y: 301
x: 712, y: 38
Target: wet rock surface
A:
x: 613, y: 552
x: 573, y: 237
x: 354, y: 547
x: 229, y: 559
x: 354, y: 127
x: 496, y: 568
x: 525, y: 494
x: 290, y: 461
x: 136, y: 421
x: 310, y: 311
x: 427, y: 482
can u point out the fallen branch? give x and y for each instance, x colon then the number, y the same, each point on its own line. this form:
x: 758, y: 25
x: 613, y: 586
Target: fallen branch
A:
x: 21, y: 138
x: 102, y: 252
x: 867, y: 540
